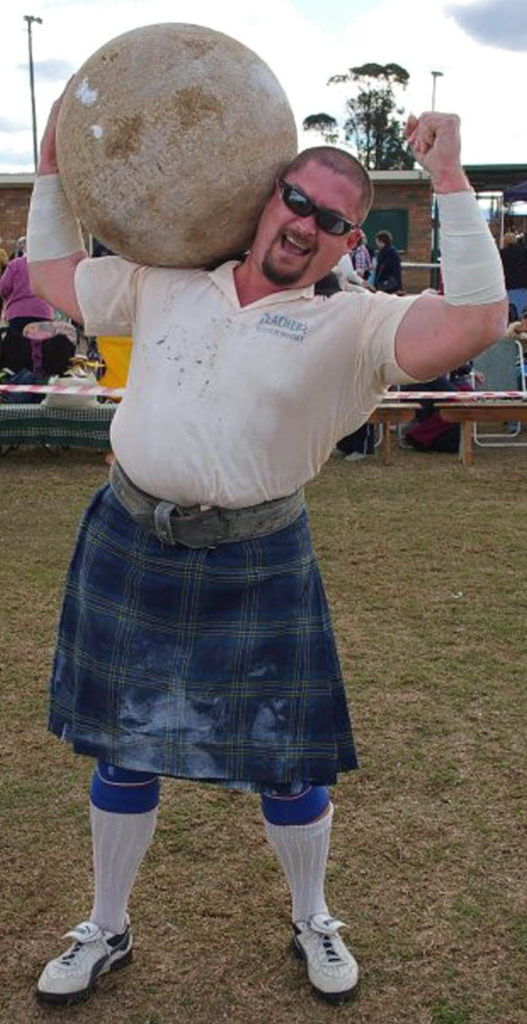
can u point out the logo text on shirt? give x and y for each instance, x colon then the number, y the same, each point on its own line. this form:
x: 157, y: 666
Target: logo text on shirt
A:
x: 282, y: 326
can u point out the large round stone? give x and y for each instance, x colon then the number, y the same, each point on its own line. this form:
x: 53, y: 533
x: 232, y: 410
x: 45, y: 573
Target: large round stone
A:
x: 168, y: 142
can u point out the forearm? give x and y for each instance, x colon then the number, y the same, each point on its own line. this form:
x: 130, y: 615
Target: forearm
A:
x: 54, y: 244
x: 53, y: 280
x: 439, y: 334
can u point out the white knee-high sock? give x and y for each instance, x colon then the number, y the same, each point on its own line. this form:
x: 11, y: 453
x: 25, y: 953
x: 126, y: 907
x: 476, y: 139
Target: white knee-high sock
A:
x: 120, y: 842
x: 302, y: 850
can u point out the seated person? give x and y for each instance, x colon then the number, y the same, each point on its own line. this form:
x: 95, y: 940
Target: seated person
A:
x: 21, y: 305
x: 429, y: 432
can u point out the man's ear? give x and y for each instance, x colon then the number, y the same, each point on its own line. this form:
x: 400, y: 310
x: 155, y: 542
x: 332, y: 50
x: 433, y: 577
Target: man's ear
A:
x: 354, y: 238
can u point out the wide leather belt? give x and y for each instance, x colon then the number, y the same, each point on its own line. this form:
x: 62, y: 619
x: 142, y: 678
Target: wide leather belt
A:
x: 196, y: 527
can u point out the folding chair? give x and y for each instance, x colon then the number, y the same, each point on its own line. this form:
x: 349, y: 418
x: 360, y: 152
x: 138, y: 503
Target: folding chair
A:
x: 503, y: 368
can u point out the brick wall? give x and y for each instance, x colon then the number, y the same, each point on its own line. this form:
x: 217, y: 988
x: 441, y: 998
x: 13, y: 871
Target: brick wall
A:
x: 416, y: 197
x: 14, y: 204
x: 413, y: 196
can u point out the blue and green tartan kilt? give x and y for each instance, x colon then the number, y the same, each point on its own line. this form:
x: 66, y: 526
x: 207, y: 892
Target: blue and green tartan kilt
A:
x: 217, y: 664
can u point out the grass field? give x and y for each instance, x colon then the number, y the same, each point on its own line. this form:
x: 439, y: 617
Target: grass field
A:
x: 425, y: 570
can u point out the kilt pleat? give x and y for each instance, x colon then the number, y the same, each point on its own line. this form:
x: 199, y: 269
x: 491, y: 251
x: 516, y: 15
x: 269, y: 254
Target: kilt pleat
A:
x: 216, y: 664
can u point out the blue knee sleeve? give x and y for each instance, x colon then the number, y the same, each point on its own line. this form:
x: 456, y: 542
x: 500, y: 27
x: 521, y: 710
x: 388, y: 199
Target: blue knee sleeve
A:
x: 123, y: 791
x: 300, y: 809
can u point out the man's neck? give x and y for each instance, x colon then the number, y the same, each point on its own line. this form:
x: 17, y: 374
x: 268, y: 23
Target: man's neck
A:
x: 251, y: 284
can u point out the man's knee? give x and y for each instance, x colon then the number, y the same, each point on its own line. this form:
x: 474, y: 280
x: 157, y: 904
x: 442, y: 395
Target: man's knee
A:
x: 123, y: 791
x: 297, y: 809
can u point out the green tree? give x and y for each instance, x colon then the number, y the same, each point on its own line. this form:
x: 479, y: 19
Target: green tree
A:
x: 374, y: 124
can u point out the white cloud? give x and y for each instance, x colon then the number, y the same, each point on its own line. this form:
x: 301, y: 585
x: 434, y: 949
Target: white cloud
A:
x: 10, y: 127
x: 13, y: 160
x: 478, y: 82
x: 53, y: 70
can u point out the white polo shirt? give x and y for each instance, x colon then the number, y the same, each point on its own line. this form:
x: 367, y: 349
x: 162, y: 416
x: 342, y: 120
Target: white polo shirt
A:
x: 228, y: 405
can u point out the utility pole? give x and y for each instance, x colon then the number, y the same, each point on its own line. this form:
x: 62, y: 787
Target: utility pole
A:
x: 30, y: 19
x: 435, y: 76
x: 434, y: 276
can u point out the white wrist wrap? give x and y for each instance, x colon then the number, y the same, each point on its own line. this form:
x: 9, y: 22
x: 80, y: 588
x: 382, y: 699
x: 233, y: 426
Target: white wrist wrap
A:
x: 53, y: 230
x: 470, y: 263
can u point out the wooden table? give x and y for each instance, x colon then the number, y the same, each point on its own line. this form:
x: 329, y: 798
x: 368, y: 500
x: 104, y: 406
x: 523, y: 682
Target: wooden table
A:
x: 468, y: 413
x: 388, y: 413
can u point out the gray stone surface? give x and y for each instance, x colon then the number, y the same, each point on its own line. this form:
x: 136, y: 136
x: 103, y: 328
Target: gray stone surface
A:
x: 169, y: 140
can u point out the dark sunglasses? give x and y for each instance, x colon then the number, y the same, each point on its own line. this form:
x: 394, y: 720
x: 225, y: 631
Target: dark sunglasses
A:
x: 303, y: 206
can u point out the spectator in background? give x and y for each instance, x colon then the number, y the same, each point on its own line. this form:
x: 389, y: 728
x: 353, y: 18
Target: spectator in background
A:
x: 344, y: 277
x: 517, y: 330
x: 347, y: 276
x: 388, y: 268
x: 353, y: 272
x: 21, y: 304
x: 360, y: 257
x: 514, y: 259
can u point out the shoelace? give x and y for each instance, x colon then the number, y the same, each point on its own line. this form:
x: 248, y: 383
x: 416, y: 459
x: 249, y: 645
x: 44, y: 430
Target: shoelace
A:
x: 66, y: 958
x: 332, y: 956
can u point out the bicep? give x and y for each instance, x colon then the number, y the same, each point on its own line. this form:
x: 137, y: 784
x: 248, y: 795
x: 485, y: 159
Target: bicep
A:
x: 54, y: 281
x: 434, y: 336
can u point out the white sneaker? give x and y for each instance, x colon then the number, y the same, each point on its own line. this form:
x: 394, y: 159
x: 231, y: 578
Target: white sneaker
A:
x: 331, y: 968
x: 72, y: 976
x: 355, y: 457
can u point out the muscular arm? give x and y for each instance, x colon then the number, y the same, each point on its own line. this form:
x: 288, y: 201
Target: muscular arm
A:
x: 53, y: 278
x: 434, y: 337
x: 439, y: 333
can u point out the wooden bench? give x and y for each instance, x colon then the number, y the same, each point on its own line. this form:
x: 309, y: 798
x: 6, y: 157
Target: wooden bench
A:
x: 388, y: 413
x: 487, y: 411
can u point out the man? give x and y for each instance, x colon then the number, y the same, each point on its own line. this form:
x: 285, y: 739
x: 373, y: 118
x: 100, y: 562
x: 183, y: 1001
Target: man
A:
x: 514, y: 260
x: 195, y: 638
x: 387, y: 277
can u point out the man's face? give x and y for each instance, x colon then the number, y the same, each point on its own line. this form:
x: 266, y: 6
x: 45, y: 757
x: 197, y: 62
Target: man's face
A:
x: 293, y: 251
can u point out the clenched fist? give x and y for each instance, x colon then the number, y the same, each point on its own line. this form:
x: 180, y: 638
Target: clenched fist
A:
x: 436, y: 143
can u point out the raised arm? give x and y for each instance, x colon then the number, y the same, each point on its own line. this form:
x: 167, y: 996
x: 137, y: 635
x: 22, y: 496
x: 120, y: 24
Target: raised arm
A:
x: 54, y: 240
x: 439, y: 333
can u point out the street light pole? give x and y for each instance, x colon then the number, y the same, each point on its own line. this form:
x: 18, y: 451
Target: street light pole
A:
x: 30, y: 19
x: 434, y: 276
x: 435, y: 76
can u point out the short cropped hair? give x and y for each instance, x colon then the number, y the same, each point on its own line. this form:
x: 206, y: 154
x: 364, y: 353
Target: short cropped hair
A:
x: 385, y: 236
x: 341, y: 162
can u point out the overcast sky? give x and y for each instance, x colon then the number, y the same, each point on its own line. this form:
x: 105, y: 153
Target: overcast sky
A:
x: 480, y: 47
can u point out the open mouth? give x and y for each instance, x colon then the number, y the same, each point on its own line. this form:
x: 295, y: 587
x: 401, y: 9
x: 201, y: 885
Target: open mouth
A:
x: 295, y: 246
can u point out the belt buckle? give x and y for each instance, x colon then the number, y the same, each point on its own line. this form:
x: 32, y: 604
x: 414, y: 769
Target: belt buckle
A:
x: 163, y: 526
x: 191, y: 512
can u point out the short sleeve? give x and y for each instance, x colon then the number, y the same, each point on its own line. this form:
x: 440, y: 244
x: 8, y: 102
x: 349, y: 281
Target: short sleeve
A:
x: 381, y: 317
x: 106, y: 290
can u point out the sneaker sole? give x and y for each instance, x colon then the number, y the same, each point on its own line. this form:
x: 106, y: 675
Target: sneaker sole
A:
x: 329, y: 997
x: 67, y: 998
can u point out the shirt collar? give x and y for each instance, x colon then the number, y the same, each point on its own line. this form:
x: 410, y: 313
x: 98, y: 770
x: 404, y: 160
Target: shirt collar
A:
x: 223, y: 278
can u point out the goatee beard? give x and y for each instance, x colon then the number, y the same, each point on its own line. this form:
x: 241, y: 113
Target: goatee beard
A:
x: 284, y: 277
